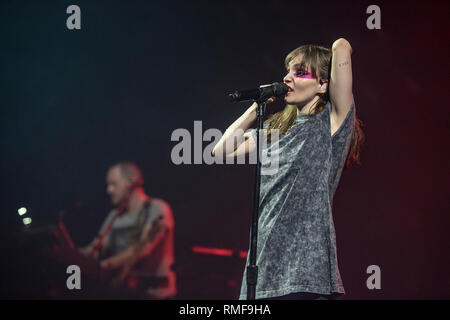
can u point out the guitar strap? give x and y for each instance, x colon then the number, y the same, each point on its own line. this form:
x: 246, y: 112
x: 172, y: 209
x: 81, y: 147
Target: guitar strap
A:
x: 140, y: 221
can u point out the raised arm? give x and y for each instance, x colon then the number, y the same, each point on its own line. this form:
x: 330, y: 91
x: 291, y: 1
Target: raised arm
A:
x: 341, y: 79
x: 245, y: 142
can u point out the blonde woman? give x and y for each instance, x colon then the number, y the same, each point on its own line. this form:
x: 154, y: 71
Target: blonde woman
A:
x: 319, y: 134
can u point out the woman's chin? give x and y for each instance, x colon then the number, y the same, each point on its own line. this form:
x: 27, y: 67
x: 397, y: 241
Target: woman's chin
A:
x: 289, y: 100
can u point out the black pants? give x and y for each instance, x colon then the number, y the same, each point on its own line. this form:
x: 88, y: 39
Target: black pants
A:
x: 305, y: 296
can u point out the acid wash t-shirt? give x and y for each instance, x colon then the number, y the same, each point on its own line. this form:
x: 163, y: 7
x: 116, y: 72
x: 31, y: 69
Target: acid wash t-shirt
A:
x: 296, y: 237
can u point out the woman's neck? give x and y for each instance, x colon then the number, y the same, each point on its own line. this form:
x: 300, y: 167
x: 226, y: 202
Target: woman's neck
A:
x: 306, y: 108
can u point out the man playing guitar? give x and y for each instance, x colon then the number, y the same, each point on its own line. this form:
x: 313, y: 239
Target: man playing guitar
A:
x: 135, y: 244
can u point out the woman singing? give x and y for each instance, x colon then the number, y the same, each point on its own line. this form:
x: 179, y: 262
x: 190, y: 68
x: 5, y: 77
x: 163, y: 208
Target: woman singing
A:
x: 319, y: 134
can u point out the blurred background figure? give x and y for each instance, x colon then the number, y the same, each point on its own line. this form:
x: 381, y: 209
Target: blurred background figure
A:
x: 135, y: 244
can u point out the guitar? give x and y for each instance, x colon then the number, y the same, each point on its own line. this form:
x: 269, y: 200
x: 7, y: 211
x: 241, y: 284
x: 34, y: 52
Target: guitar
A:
x: 156, y: 229
x: 66, y: 253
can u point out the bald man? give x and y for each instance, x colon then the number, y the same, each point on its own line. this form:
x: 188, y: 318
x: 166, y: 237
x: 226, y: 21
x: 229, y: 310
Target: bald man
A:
x: 136, y: 245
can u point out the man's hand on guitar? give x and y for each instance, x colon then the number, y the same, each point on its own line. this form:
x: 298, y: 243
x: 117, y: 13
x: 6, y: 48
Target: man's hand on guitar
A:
x: 105, y: 268
x: 105, y: 265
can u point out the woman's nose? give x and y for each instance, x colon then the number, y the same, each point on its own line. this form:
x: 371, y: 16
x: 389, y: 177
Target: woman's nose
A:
x: 287, y: 78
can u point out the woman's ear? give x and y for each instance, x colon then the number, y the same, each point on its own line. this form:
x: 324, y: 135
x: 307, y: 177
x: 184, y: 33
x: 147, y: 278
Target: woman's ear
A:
x: 324, y: 85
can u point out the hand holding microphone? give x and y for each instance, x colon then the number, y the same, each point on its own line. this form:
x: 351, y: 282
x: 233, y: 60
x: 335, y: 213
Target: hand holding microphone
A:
x: 262, y: 93
x: 271, y: 99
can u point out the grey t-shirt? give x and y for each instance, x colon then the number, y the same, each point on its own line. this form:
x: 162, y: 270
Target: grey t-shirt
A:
x: 127, y: 229
x: 296, y: 237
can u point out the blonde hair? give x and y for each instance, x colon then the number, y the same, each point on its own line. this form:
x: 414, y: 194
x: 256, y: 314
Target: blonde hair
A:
x: 318, y: 60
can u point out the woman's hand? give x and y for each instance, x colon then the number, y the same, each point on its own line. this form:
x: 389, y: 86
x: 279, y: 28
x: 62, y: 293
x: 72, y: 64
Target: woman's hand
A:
x: 270, y: 100
x: 252, y: 108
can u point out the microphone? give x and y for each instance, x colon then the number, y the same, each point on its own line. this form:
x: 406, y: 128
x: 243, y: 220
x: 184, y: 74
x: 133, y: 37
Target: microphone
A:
x: 276, y: 89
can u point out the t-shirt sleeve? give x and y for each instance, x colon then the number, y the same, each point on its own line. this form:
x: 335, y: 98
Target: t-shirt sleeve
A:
x: 347, y: 125
x: 341, y: 141
x: 163, y: 209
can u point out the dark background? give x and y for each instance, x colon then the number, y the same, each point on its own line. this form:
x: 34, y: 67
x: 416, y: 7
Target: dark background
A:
x: 75, y: 101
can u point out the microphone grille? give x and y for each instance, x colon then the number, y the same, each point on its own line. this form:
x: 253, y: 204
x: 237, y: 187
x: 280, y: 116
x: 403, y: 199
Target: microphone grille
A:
x: 279, y: 89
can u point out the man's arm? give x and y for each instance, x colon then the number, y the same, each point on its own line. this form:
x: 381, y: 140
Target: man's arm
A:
x: 120, y: 259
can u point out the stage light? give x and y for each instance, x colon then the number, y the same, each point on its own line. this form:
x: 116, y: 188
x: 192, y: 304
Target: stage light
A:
x: 26, y: 221
x: 22, y: 211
